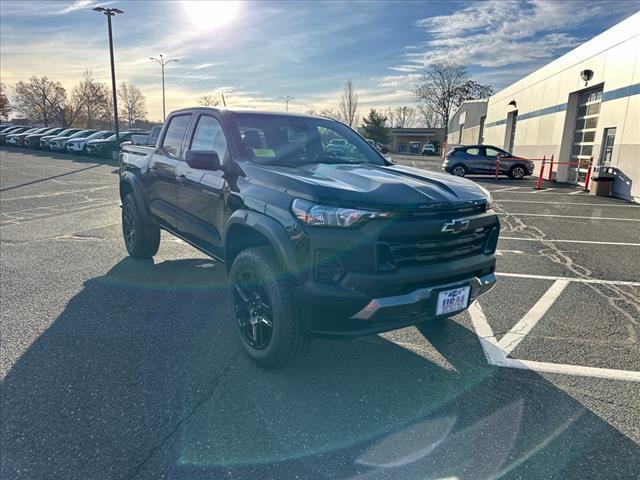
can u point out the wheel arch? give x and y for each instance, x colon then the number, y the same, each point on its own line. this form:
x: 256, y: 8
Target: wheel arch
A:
x: 129, y: 183
x: 246, y: 229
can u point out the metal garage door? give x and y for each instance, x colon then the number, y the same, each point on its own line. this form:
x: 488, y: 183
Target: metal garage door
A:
x: 584, y: 134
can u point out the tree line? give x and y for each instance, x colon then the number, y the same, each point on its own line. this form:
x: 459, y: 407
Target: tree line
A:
x: 441, y: 89
x: 43, y: 101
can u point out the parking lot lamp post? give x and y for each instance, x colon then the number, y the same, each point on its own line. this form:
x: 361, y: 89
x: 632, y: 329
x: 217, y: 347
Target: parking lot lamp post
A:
x: 111, y: 12
x: 162, y: 63
x: 286, y: 101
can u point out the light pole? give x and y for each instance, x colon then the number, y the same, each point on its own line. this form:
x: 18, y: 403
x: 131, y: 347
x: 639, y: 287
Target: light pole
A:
x: 111, y: 12
x: 286, y: 101
x: 162, y: 63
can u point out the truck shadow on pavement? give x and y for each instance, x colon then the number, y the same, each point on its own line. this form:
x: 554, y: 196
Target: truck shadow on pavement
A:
x: 141, y: 376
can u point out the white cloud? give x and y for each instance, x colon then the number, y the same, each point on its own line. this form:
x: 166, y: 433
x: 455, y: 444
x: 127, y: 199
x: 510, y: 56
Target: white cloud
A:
x: 505, y: 33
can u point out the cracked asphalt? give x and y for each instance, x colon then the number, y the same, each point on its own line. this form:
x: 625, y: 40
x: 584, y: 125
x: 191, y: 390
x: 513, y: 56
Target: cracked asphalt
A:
x: 113, y: 368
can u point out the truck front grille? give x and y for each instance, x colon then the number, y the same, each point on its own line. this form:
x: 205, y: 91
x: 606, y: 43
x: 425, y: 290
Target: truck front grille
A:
x: 445, y: 246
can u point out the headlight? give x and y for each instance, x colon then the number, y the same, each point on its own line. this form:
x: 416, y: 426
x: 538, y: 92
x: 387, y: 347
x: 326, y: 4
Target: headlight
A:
x: 489, y: 198
x: 326, y: 216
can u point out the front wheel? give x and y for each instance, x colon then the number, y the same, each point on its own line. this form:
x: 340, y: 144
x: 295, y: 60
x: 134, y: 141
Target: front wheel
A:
x: 264, y: 310
x: 141, y: 239
x: 517, y: 172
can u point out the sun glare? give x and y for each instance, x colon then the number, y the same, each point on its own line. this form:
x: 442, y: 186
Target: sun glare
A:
x: 211, y: 14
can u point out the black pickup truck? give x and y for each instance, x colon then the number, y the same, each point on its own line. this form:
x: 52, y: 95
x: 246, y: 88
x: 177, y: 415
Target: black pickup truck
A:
x: 316, y: 244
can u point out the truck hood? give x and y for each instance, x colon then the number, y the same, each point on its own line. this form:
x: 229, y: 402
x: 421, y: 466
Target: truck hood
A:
x: 392, y: 187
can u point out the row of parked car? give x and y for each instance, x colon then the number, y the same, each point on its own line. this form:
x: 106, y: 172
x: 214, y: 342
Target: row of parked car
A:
x: 70, y: 140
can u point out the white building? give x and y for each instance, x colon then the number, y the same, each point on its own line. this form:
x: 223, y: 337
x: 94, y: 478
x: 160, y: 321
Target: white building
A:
x: 466, y: 126
x: 586, y: 103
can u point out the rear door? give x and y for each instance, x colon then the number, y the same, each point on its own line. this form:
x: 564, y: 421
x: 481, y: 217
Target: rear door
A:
x: 161, y: 176
x: 202, y: 194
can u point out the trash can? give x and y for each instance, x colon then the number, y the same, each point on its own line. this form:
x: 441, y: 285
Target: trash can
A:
x: 602, y: 179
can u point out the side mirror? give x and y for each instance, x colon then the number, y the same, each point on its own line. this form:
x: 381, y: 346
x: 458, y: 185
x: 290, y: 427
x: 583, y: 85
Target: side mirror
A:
x: 203, y: 159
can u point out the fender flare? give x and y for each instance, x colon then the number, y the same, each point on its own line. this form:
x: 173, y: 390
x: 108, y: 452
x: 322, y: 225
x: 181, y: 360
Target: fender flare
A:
x: 136, y: 187
x: 272, y: 231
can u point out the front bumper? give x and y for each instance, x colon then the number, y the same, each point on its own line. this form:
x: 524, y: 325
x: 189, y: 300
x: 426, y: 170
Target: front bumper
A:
x: 345, y: 310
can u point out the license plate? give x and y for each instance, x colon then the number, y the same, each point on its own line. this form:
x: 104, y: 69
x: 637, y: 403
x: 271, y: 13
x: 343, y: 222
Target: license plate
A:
x: 452, y: 300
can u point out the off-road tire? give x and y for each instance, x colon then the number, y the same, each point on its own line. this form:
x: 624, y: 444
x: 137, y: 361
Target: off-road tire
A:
x: 144, y: 241
x: 289, y: 339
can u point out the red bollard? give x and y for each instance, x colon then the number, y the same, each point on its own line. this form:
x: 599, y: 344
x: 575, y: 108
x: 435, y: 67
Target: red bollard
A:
x: 497, y: 167
x: 551, y: 168
x: 539, y: 184
x: 586, y: 180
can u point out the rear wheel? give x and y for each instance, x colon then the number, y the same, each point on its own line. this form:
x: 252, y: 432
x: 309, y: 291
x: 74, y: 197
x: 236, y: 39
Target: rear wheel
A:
x: 517, y: 172
x: 141, y: 239
x: 459, y: 171
x: 265, y: 313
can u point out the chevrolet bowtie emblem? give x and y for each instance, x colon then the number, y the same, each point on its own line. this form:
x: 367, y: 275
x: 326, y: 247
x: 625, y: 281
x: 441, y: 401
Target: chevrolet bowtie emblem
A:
x: 455, y: 226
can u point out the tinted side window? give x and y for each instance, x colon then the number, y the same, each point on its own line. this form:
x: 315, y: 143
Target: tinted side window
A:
x: 492, y: 152
x: 175, y: 134
x: 473, y: 151
x: 209, y: 136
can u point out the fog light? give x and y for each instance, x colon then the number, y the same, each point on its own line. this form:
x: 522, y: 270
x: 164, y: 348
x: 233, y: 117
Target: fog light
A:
x: 328, y: 267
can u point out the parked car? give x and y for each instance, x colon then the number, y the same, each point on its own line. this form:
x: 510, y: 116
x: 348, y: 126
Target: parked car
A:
x: 78, y: 145
x: 106, y: 146
x: 10, y: 130
x: 428, y: 149
x: 33, y: 140
x: 481, y: 159
x: 7, y: 128
x: 59, y: 143
x: 337, y: 146
x: 305, y: 257
x: 20, y: 140
x: 44, y: 141
x: 10, y: 138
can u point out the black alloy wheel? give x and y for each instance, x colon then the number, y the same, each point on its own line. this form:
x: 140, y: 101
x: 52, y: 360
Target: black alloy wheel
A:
x: 129, y: 225
x: 253, y: 308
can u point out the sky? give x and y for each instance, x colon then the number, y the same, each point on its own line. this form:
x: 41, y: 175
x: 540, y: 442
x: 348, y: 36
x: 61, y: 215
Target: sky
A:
x: 256, y: 52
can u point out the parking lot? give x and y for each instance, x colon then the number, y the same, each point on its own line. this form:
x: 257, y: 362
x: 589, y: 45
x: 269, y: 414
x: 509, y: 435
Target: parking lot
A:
x: 118, y: 368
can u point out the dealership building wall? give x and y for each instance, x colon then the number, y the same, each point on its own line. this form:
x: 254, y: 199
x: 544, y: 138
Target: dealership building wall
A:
x: 466, y: 126
x: 555, y: 111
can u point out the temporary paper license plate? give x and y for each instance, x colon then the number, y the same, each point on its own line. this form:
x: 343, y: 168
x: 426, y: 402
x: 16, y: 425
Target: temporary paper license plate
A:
x: 452, y: 300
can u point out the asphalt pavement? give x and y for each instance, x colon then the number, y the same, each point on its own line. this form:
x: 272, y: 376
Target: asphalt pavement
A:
x: 114, y: 368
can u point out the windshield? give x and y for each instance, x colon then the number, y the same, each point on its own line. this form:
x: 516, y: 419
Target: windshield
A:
x: 96, y: 135
x: 294, y: 141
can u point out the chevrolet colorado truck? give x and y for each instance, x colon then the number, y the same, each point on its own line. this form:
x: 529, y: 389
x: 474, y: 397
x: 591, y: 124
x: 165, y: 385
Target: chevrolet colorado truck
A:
x: 315, y: 243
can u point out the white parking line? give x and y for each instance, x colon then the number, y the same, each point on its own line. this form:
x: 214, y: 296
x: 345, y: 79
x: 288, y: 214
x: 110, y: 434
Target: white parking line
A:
x: 576, y: 192
x: 505, y: 189
x: 544, y: 190
x: 526, y: 323
x: 570, y: 216
x: 593, y: 242
x: 571, y: 279
x: 510, y: 200
x: 495, y: 355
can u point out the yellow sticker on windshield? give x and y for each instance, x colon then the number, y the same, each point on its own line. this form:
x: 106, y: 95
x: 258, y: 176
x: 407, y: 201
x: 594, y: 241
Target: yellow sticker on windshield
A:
x: 263, y: 152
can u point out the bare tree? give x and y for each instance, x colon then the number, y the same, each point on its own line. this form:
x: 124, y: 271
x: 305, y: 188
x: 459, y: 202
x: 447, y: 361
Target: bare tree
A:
x: 39, y: 99
x: 5, y: 105
x: 401, y: 117
x: 348, y: 105
x: 133, y: 103
x: 208, y: 100
x: 443, y: 88
x: 92, y: 100
x: 429, y: 117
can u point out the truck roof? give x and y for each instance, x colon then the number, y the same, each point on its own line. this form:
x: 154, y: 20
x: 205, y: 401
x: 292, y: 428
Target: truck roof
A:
x: 224, y: 110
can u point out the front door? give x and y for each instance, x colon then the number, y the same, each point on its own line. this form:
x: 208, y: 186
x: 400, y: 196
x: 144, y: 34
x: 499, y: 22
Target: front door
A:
x: 202, y: 194
x: 607, y: 146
